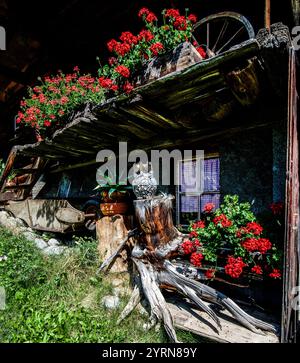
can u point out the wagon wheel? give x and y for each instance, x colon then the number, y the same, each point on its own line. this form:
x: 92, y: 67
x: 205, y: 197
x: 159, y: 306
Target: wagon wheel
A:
x: 219, y: 32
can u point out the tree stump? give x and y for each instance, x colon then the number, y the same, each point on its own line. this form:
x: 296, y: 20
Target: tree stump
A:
x: 110, y: 232
x: 157, y: 242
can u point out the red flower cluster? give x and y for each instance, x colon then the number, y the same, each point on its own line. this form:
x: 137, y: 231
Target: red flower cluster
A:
x: 199, y: 224
x: 151, y: 17
x: 172, y: 13
x: 257, y: 269
x: 187, y: 247
x: 192, y: 18
x: 255, y: 228
x: 193, y: 234
x: 128, y: 38
x: 277, y: 208
x: 111, y: 45
x: 145, y: 35
x: 122, y: 48
x: 251, y: 228
x: 196, y: 258
x: 261, y: 245
x: 234, y: 267
x: 275, y: 274
x: 210, y: 273
x: 143, y: 12
x: 225, y: 222
x: 180, y: 23
x: 123, y: 71
x: 156, y: 48
x: 208, y: 208
x: 105, y: 82
x: 127, y: 87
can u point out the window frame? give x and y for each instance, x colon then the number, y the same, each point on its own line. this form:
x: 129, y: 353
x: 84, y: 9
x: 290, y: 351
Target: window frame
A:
x: 179, y: 193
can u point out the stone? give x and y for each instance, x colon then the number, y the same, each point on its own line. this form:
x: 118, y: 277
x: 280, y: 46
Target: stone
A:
x: 19, y: 222
x: 54, y: 250
x: 110, y: 302
x: 30, y: 236
x: 53, y: 242
x: 40, y: 243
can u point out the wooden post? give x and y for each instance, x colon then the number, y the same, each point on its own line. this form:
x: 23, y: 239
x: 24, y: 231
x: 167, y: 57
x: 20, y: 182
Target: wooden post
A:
x: 268, y: 14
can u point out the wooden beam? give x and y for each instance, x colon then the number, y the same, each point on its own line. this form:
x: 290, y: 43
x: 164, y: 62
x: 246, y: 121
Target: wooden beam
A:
x: 267, y: 14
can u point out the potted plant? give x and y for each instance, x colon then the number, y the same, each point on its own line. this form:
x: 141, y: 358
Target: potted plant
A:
x: 114, y: 197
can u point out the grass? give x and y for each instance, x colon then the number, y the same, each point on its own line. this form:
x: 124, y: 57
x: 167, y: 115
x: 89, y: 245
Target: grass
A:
x: 58, y: 299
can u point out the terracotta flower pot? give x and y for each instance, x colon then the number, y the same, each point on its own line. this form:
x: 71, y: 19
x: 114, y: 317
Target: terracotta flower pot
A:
x: 110, y: 209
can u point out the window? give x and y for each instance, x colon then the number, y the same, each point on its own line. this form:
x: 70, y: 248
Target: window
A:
x: 190, y: 205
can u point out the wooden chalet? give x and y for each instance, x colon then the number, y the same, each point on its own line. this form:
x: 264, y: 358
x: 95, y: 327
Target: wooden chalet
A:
x: 240, y: 106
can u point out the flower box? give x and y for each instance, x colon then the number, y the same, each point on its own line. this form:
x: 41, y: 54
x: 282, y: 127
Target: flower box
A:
x: 181, y: 57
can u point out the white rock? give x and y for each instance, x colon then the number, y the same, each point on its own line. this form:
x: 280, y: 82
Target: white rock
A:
x: 40, y: 243
x: 19, y: 222
x: 30, y: 236
x: 54, y: 250
x: 110, y: 302
x: 53, y: 242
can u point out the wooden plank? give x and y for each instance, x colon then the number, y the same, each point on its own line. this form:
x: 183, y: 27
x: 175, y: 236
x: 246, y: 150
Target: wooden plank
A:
x: 291, y: 241
x: 188, y: 318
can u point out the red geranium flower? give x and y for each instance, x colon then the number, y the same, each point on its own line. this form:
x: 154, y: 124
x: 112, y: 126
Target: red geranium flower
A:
x: 193, y: 234
x: 234, y: 267
x: 76, y: 69
x: 257, y: 269
x: 122, y: 49
x: 145, y: 35
x: 114, y: 88
x: 199, y: 224
x: 275, y: 274
x: 209, y: 207
x: 187, y: 247
x: 255, y: 228
x: 225, y: 222
x: 128, y: 87
x: 143, y: 11
x: 156, y: 48
x: 47, y: 123
x: 172, y: 13
x: 192, y: 18
x: 151, y: 17
x: 180, y: 23
x: 123, y: 71
x: 129, y: 38
x: 111, y: 45
x: 210, y: 273
x: 196, y: 259
x: 261, y: 245
x: 105, y: 82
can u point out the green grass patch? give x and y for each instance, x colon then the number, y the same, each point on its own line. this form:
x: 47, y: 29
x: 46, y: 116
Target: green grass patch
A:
x: 58, y: 299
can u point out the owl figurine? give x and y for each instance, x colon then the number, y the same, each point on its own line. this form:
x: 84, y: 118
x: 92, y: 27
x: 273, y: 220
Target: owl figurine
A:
x: 143, y: 183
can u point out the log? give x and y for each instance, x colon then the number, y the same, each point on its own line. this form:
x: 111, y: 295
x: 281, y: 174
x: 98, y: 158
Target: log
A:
x: 111, y: 231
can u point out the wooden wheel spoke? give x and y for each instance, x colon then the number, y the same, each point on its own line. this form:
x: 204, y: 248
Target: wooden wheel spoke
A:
x: 221, y: 34
x: 231, y: 39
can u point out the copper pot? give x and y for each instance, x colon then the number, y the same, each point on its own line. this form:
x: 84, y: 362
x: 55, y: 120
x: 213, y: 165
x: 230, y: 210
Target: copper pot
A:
x: 110, y: 209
